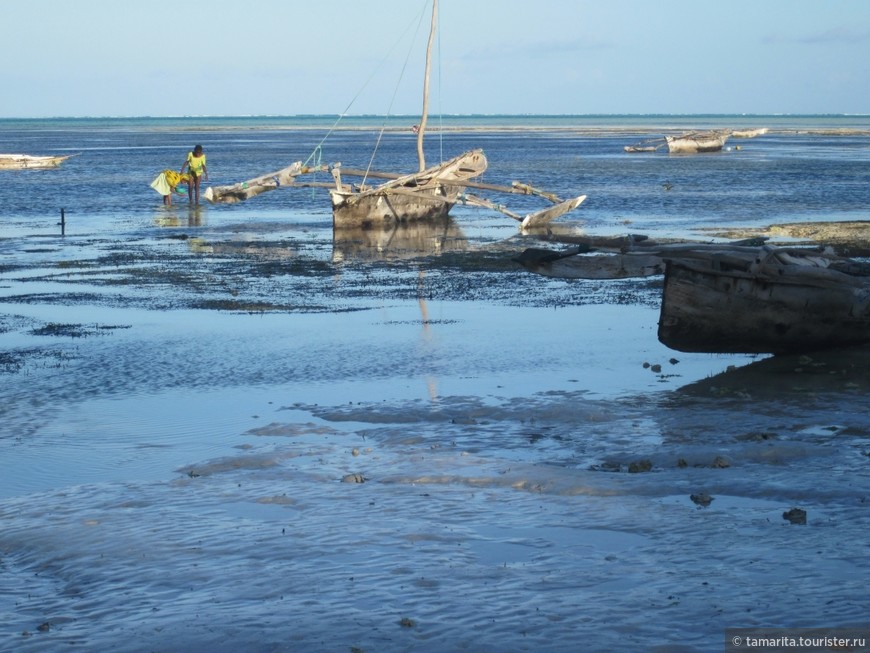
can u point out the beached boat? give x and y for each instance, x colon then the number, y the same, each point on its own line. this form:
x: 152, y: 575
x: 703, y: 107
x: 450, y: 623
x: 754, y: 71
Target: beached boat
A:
x: 764, y: 300
x: 694, y: 142
x: 25, y: 161
x: 697, y: 142
x: 431, y: 192
x: 732, y: 297
x: 427, y: 194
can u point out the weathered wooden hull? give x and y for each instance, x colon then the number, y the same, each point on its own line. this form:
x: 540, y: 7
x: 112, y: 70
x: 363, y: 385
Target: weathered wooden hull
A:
x: 425, y: 195
x: 26, y: 161
x: 391, y: 206
x: 696, y: 143
x: 764, y: 309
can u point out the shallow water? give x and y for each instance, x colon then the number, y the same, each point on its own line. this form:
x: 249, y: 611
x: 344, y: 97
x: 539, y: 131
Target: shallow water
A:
x: 190, y: 400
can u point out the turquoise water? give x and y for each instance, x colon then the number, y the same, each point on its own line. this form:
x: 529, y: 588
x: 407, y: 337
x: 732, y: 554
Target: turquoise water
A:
x: 651, y: 122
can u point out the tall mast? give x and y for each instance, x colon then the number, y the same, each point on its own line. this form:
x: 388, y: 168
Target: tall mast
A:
x: 425, y: 116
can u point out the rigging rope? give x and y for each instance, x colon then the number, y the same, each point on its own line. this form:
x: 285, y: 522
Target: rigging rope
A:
x: 395, y: 92
x: 317, y: 151
x: 440, y: 114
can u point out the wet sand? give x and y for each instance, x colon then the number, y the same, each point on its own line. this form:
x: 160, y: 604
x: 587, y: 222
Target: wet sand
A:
x: 250, y: 436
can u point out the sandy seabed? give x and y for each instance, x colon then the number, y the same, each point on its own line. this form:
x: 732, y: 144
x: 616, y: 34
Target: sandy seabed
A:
x: 224, y: 437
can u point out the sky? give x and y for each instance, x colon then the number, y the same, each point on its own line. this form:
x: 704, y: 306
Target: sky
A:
x: 287, y: 57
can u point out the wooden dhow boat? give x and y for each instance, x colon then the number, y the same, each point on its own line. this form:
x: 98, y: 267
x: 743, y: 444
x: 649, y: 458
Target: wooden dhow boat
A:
x: 733, y: 297
x: 428, y: 194
x: 26, y: 161
x: 764, y: 300
x: 425, y: 195
x: 697, y: 142
x: 694, y: 142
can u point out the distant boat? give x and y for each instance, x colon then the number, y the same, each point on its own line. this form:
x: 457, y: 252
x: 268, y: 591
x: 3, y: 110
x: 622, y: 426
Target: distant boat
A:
x: 764, y: 300
x: 696, y: 142
x: 749, y: 133
x: 24, y: 161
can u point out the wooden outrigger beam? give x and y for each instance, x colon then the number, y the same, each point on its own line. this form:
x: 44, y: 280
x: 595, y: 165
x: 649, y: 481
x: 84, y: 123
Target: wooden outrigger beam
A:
x: 537, y: 219
x: 288, y: 177
x: 526, y: 189
x: 516, y: 188
x: 474, y: 200
x: 247, y: 189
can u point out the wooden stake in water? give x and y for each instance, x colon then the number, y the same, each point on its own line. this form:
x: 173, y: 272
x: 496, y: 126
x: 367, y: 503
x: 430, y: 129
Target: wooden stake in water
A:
x: 62, y: 223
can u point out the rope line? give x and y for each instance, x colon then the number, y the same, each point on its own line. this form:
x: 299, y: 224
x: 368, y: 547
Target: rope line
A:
x: 316, y: 153
x: 396, y: 90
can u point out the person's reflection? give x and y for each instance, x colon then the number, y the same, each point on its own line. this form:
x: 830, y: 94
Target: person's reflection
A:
x: 194, y: 216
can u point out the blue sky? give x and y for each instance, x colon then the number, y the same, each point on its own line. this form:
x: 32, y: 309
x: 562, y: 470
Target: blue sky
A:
x: 225, y: 57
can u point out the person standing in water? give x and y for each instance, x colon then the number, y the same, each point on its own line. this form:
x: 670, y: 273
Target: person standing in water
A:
x: 196, y: 168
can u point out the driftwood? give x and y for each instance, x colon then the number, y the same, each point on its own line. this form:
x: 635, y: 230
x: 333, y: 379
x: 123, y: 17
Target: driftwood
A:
x: 620, y: 257
x: 570, y: 265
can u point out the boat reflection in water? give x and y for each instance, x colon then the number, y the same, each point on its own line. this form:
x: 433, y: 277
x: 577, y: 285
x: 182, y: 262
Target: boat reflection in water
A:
x: 818, y: 376
x: 401, y: 241
x: 398, y: 240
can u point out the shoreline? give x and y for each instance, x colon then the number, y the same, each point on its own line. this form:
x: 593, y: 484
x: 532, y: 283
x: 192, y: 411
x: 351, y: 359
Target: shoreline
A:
x: 602, y: 132
x: 590, y: 125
